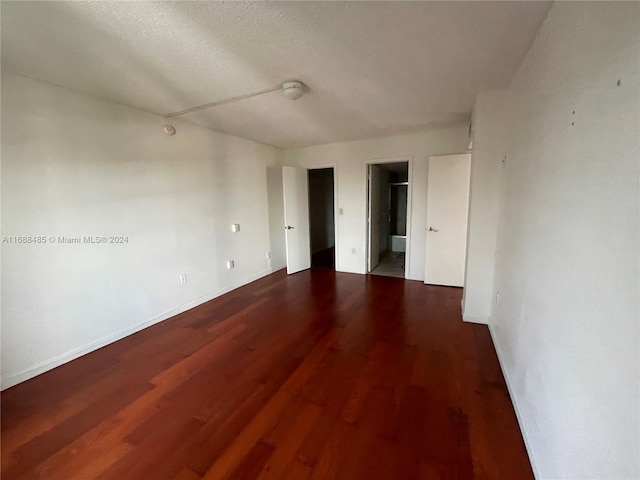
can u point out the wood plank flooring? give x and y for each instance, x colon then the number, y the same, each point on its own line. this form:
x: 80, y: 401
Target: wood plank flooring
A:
x: 320, y: 375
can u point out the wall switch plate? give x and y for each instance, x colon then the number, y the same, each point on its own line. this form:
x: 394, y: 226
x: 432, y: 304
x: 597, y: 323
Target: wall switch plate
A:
x: 268, y: 255
x: 235, y: 227
x: 183, y: 278
x: 340, y: 211
x: 230, y: 264
x: 497, y: 298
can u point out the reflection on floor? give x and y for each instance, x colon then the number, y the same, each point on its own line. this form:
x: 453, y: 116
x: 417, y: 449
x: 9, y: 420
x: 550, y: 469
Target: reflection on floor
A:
x: 391, y: 265
x: 318, y: 375
x: 324, y: 259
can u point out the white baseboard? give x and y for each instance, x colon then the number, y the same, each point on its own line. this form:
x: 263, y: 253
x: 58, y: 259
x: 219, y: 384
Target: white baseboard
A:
x: 54, y: 362
x: 526, y: 435
x: 475, y: 319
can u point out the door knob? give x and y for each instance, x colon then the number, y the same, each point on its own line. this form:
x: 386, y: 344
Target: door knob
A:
x: 288, y: 227
x: 431, y: 229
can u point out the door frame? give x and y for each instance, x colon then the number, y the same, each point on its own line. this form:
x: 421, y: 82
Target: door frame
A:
x: 336, y: 224
x: 367, y: 228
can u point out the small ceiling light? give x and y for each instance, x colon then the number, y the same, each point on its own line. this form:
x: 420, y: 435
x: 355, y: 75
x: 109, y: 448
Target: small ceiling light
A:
x: 169, y: 129
x: 292, y: 90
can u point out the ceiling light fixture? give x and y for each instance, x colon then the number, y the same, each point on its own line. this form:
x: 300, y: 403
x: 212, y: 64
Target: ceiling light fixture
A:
x: 292, y: 90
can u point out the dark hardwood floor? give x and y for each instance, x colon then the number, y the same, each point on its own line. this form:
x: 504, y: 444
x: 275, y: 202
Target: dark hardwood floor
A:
x: 320, y: 375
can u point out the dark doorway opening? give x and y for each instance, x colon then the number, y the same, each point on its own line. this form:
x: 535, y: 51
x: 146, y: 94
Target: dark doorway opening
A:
x: 322, y: 218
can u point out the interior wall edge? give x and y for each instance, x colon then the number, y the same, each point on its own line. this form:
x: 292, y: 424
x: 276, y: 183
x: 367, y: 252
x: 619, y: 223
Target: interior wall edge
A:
x: 475, y: 319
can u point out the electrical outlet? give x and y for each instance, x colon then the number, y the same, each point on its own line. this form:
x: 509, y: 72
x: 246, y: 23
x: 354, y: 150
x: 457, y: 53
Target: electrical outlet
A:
x: 230, y: 264
x: 353, y: 250
x: 235, y: 227
x: 183, y: 278
x: 504, y: 161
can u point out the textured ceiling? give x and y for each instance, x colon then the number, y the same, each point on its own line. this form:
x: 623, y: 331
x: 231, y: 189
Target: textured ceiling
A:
x: 372, y: 68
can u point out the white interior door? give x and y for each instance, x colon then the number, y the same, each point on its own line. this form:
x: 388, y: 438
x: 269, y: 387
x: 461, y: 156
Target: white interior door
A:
x: 447, y: 213
x: 374, y: 216
x: 296, y: 218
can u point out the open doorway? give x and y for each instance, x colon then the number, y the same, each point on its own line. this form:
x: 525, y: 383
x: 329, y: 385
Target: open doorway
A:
x: 322, y: 218
x: 388, y: 206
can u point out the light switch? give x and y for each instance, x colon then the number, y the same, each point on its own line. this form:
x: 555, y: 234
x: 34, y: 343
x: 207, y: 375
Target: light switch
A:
x: 235, y: 227
x: 230, y: 264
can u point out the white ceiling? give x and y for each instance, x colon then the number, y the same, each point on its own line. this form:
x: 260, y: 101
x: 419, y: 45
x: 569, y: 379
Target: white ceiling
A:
x: 372, y: 68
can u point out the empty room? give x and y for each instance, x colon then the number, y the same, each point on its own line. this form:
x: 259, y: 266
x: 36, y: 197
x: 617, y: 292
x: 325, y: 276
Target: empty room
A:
x: 320, y: 240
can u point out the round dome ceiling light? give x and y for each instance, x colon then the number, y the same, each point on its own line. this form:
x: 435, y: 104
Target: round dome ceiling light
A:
x: 292, y: 90
x: 169, y: 129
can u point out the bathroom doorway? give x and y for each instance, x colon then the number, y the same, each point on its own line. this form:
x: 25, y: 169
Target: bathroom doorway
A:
x: 388, y: 198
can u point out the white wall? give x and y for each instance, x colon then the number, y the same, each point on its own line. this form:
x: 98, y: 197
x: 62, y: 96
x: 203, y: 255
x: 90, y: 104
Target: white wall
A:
x: 486, y: 179
x: 351, y: 182
x: 567, y: 326
x: 74, y: 165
